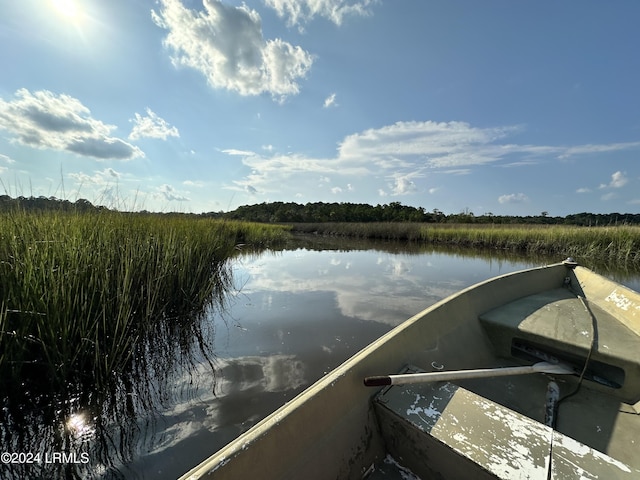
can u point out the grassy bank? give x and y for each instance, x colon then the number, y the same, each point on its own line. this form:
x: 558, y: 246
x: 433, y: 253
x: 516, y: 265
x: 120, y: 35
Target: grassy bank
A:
x: 78, y: 290
x: 619, y: 244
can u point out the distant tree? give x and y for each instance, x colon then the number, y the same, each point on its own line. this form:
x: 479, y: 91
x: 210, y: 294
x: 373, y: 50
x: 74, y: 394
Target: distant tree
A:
x: 290, y: 212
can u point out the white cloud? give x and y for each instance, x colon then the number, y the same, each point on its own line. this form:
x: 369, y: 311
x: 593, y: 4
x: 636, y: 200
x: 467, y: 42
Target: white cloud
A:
x: 399, y: 153
x: 618, y: 180
x: 193, y: 183
x: 583, y: 190
x: 6, y: 159
x: 60, y: 122
x: 330, y: 101
x: 225, y: 44
x: 167, y: 192
x: 590, y: 148
x: 440, y: 145
x: 521, y: 163
x: 336, y: 190
x: 434, y: 190
x: 151, y: 126
x: 107, y: 181
x: 302, y: 11
x: 241, y: 153
x: 513, y: 198
x: 403, y: 185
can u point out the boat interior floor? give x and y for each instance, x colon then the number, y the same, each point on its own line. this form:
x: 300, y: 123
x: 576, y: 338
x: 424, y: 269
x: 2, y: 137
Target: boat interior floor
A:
x: 468, y: 431
x: 390, y: 469
x: 526, y: 426
x: 560, y: 324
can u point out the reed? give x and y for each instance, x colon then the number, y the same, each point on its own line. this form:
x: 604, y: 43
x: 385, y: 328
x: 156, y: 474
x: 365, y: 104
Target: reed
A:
x: 620, y: 244
x: 79, y: 290
x: 374, y: 230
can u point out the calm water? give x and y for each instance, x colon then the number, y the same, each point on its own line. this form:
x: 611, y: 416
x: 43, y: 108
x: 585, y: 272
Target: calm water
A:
x: 295, y: 315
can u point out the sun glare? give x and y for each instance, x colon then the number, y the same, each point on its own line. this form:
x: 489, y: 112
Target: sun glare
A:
x: 67, y: 8
x: 79, y: 427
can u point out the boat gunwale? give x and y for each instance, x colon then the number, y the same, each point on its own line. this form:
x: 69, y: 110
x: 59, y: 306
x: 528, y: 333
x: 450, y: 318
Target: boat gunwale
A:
x: 244, y: 441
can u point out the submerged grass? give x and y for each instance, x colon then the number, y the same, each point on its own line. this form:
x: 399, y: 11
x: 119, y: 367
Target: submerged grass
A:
x: 619, y: 244
x: 78, y: 290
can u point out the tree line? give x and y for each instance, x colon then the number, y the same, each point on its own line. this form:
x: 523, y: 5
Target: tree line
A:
x: 289, y: 212
x: 319, y: 212
x: 46, y: 203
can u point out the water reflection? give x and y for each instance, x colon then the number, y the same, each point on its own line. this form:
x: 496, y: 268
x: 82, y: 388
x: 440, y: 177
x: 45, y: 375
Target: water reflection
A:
x: 198, y: 382
x: 375, y: 285
x: 274, y: 373
x: 80, y: 427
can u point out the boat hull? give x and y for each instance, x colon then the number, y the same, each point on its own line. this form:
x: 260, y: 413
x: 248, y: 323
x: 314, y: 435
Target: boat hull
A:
x: 331, y: 429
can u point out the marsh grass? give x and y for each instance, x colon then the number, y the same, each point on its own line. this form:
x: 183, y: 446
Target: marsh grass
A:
x: 373, y: 230
x: 619, y: 244
x: 79, y: 290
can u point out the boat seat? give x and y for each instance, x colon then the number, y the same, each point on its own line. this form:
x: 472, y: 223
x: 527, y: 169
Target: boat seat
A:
x: 557, y: 322
x: 441, y: 430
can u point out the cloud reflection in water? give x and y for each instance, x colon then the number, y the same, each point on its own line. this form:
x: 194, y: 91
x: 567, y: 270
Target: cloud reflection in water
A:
x: 369, y: 285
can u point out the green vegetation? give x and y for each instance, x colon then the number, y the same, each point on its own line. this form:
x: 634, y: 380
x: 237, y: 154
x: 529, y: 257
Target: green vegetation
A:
x: 331, y: 212
x: 616, y: 244
x: 320, y: 212
x: 281, y: 212
x: 403, y: 231
x: 619, y: 244
x: 607, y: 237
x: 78, y: 291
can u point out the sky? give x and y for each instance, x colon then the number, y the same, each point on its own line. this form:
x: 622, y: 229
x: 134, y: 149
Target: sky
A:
x: 501, y: 107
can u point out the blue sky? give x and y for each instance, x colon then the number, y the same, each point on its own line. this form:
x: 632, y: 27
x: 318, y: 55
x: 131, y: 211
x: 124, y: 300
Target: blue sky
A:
x: 511, y: 108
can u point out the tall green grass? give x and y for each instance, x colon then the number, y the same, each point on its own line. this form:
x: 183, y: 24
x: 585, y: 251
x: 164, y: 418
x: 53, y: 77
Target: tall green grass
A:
x: 79, y: 290
x: 616, y: 244
x: 373, y: 230
x: 619, y: 244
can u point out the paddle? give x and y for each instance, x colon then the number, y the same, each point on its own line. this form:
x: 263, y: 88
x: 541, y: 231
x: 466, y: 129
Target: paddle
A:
x: 540, y: 367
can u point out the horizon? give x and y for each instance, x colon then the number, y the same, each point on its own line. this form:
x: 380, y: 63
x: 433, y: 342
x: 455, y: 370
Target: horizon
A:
x: 221, y: 212
x: 203, y: 106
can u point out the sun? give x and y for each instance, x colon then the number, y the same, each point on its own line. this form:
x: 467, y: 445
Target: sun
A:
x: 67, y: 8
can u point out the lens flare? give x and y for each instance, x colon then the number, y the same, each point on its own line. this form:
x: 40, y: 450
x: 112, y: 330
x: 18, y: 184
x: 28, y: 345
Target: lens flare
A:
x: 67, y: 8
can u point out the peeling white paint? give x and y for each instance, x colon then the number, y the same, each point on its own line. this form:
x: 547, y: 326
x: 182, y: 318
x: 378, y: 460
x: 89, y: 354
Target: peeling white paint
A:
x: 504, y: 442
x: 429, y: 411
x: 581, y: 450
x: 461, y: 437
x: 509, y: 446
x: 621, y: 301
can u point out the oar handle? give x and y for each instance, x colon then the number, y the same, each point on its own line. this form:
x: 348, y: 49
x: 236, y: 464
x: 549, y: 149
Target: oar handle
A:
x: 377, y: 381
x: 541, y: 367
